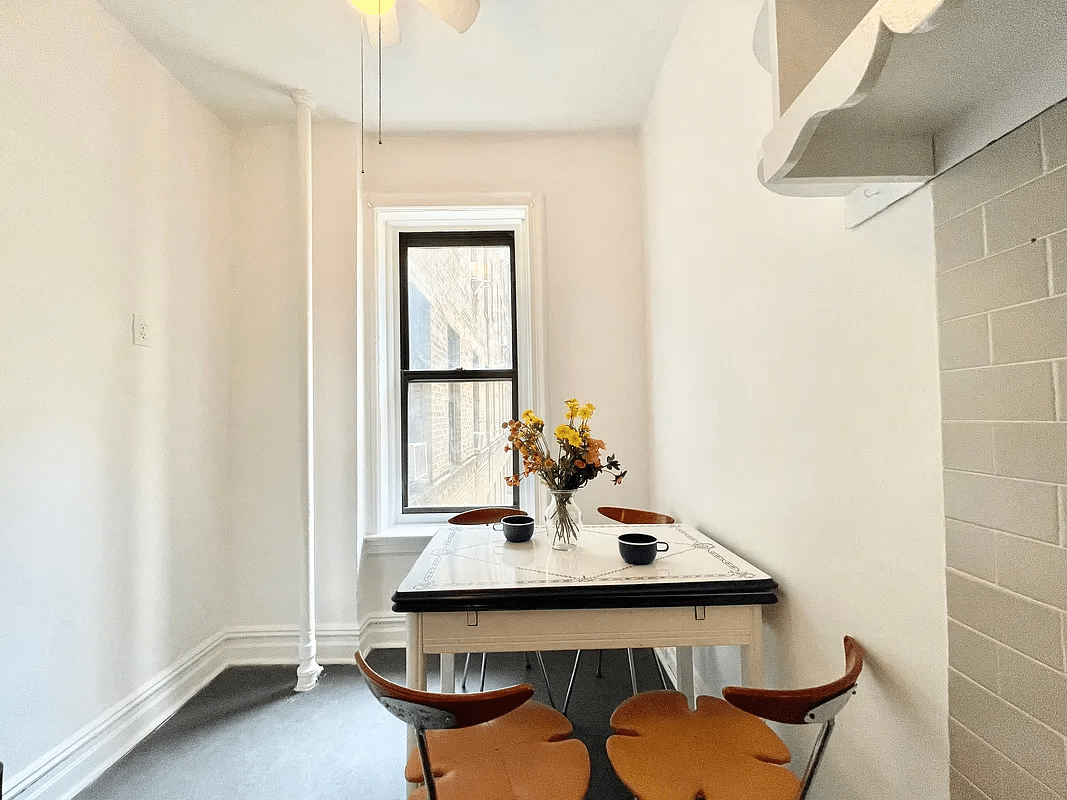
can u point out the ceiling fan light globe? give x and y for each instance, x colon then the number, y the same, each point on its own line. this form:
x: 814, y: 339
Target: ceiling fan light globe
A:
x: 375, y: 8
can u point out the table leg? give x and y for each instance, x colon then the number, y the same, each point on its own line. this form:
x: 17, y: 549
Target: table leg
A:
x: 752, y: 653
x: 416, y: 658
x: 416, y: 669
x: 448, y: 673
x: 683, y: 661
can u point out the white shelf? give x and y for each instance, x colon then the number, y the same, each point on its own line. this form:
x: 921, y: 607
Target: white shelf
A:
x: 913, y: 89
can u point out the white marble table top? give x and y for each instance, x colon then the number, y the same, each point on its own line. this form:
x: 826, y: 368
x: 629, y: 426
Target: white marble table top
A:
x: 475, y: 567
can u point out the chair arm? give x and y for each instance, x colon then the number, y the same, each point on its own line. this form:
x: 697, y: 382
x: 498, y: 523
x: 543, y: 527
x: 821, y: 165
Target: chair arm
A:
x: 468, y: 709
x: 794, y: 705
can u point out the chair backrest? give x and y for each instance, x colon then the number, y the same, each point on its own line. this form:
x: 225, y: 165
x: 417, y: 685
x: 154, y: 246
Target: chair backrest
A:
x: 819, y: 705
x: 432, y: 711
x: 483, y: 516
x: 635, y: 516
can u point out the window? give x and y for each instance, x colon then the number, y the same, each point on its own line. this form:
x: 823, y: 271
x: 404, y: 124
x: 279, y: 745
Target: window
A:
x: 465, y: 313
x: 458, y: 344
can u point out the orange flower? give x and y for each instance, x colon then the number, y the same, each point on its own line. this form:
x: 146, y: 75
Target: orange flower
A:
x: 579, y: 458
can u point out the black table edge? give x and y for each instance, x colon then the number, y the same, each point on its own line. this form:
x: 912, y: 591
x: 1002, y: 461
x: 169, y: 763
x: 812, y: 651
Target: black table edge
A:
x: 540, y: 599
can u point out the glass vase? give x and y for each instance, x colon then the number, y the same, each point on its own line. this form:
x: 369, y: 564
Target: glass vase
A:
x: 563, y: 519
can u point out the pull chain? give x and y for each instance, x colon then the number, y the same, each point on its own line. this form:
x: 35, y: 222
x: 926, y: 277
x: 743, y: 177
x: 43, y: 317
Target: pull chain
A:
x: 362, y: 155
x: 379, y: 71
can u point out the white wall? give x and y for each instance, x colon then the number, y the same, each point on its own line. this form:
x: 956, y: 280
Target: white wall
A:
x: 593, y: 281
x: 267, y: 303
x: 113, y: 199
x: 795, y: 412
x: 593, y: 288
x: 593, y: 197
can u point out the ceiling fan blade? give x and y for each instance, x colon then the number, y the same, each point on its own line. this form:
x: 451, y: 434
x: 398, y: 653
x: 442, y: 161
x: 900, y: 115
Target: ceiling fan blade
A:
x: 460, y: 14
x: 390, y: 25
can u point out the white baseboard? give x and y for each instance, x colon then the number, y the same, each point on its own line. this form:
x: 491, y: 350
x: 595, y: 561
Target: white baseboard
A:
x: 381, y: 631
x: 74, y: 764
x: 338, y: 644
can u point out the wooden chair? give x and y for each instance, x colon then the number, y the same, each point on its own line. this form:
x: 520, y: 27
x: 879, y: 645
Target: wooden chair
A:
x: 724, y: 750
x: 483, y: 516
x: 635, y: 516
x: 489, y: 516
x: 627, y: 516
x: 497, y: 745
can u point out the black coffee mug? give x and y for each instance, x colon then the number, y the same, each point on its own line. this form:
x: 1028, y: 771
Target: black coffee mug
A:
x: 517, y: 527
x: 640, y: 548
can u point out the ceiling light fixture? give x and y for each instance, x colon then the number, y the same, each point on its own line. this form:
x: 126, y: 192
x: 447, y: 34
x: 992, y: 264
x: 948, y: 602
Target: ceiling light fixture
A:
x: 373, y: 7
x: 381, y: 14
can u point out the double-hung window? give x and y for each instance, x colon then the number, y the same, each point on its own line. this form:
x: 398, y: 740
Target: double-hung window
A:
x: 454, y: 349
x: 458, y: 369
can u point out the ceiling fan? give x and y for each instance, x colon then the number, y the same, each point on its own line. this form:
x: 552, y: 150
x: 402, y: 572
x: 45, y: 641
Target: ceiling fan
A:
x: 379, y: 17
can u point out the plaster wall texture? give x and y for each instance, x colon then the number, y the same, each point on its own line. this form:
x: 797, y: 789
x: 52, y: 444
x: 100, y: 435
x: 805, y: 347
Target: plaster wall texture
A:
x: 594, y: 271
x: 594, y: 321
x: 794, y: 406
x: 267, y: 302
x: 113, y: 458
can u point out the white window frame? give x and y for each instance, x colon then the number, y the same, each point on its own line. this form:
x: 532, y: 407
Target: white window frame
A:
x: 380, y: 490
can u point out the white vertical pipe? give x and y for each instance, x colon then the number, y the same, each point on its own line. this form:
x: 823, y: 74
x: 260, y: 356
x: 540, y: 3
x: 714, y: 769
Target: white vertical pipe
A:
x: 307, y: 674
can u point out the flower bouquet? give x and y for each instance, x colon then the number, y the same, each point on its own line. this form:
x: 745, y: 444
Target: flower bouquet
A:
x: 577, y: 460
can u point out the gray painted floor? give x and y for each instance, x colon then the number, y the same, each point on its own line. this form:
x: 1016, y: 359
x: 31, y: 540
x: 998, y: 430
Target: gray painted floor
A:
x: 248, y: 736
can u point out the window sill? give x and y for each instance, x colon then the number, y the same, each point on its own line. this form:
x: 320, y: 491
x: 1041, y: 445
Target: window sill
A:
x: 400, y: 540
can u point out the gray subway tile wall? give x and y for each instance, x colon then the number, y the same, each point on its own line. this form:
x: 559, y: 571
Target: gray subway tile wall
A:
x: 1002, y: 166
x: 974, y: 655
x: 1034, y: 688
x: 1021, y: 785
x: 1014, y: 276
x: 1005, y: 392
x: 1059, y: 375
x: 1030, y: 332
x: 1026, y: 508
x: 1016, y: 621
x: 965, y: 342
x: 1033, y: 450
x: 1001, y: 243
x: 981, y: 762
x: 1054, y: 136
x: 967, y: 446
x: 960, y: 240
x: 969, y: 548
x: 1058, y: 258
x: 1031, y: 212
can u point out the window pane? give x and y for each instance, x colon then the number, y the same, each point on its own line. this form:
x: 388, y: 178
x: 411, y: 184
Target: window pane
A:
x: 459, y: 307
x: 456, y: 444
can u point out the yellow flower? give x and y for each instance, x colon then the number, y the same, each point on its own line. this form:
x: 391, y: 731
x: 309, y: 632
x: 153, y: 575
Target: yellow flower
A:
x: 531, y: 419
x: 568, y: 435
x: 580, y: 455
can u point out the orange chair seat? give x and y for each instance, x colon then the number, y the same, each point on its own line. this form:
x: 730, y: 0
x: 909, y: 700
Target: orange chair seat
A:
x: 522, y: 755
x: 662, y: 750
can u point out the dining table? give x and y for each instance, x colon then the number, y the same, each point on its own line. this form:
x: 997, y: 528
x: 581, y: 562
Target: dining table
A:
x: 471, y: 590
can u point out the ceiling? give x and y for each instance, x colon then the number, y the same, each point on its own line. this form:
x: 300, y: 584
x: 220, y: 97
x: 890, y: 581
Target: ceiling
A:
x: 524, y: 66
